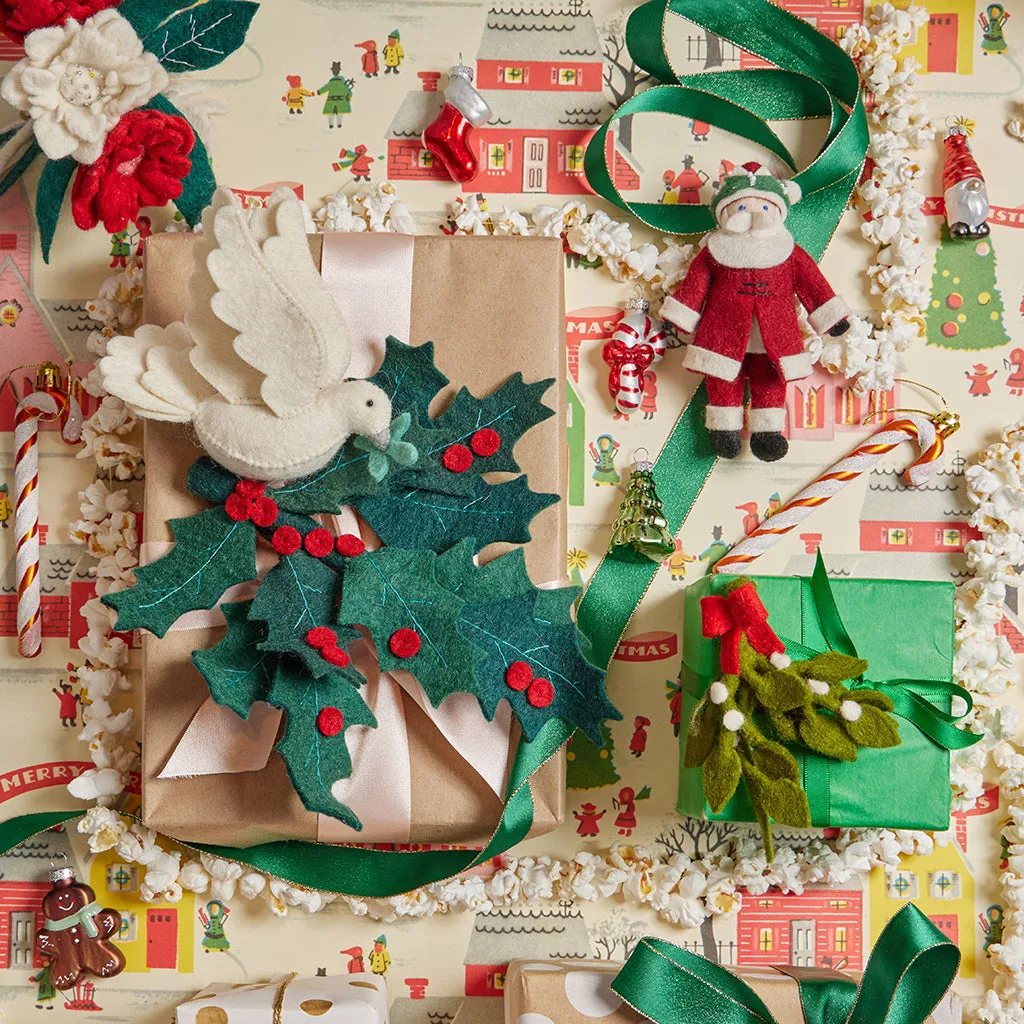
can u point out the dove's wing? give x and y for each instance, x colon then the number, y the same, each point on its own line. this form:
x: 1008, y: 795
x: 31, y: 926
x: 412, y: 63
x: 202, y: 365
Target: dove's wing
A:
x: 288, y: 326
x: 151, y: 373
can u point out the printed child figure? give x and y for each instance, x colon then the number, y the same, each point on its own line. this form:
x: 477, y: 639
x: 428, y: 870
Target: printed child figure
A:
x: 992, y: 22
x: 751, y: 518
x: 588, y: 817
x: 393, y: 52
x: 144, y: 229
x: 677, y: 562
x: 649, y: 402
x: 380, y: 958
x: 714, y: 551
x: 625, y: 804
x: 46, y: 991
x: 356, y: 161
x: 212, y: 920
x: 980, y: 379
x: 701, y: 130
x: 1015, y: 364
x: 638, y: 744
x: 356, y: 965
x: 670, y: 197
x: 295, y: 97
x: 337, y: 93
x: 6, y: 508
x: 689, y: 182
x: 120, y: 249
x: 605, y: 473
x: 992, y: 925
x: 369, y: 61
x: 675, y: 704
x: 69, y: 701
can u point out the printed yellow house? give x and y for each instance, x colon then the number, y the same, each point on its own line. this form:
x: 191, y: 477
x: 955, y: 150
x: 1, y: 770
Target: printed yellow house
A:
x: 946, y: 43
x: 154, y: 936
x: 941, y: 886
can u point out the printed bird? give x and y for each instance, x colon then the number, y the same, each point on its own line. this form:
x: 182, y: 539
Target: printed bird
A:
x: 258, y: 366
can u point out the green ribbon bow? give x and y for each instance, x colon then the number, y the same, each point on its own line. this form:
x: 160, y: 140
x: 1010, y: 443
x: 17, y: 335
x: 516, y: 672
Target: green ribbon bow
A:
x: 812, y: 78
x: 910, y: 969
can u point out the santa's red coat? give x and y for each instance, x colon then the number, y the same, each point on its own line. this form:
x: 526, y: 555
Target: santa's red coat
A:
x: 735, y: 278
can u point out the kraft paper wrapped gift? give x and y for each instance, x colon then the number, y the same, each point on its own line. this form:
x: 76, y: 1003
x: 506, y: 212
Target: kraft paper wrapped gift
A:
x: 343, y: 1000
x: 491, y: 306
x: 904, y: 630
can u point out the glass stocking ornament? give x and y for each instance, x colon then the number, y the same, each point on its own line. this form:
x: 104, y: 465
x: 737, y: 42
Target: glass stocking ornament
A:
x: 638, y: 341
x: 448, y: 136
x: 640, y: 529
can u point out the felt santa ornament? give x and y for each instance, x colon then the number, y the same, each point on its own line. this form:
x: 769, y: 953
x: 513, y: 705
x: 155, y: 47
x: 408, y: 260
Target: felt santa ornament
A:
x: 963, y: 188
x: 738, y: 300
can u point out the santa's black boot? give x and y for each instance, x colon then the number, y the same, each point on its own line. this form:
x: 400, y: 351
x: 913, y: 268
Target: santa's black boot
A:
x: 768, y: 445
x: 725, y: 442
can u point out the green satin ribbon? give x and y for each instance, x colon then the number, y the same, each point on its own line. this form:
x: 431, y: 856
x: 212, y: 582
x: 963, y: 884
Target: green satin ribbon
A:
x: 813, y: 78
x: 911, y: 967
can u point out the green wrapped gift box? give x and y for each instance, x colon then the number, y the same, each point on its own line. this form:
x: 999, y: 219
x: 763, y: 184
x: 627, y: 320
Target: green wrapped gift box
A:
x: 904, y: 629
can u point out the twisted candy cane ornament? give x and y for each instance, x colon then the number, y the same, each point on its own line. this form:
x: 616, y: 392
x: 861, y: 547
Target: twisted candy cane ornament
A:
x: 638, y: 341
x: 47, y: 402
x: 930, y: 435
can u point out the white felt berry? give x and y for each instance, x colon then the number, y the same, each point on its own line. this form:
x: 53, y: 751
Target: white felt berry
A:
x: 733, y: 720
x: 781, y: 661
x: 817, y: 686
x: 718, y: 692
x: 850, y: 710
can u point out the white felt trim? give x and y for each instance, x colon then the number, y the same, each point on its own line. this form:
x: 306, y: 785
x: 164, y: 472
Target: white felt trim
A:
x: 724, y: 417
x: 795, y: 367
x: 713, y: 364
x: 680, y: 314
x: 766, y: 420
x: 751, y: 251
x: 826, y: 316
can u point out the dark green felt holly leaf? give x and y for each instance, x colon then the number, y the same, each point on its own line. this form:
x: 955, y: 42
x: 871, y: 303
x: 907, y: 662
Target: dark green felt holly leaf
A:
x: 408, y: 375
x: 211, y: 553
x: 298, y: 594
x: 237, y: 670
x: 201, y: 35
x: 210, y: 480
x: 314, y: 759
x: 344, y: 480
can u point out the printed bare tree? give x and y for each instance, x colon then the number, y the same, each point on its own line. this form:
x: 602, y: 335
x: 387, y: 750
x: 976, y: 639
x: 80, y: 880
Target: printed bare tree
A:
x: 615, y: 937
x: 622, y: 77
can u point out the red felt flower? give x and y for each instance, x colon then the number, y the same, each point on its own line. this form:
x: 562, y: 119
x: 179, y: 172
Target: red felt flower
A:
x: 144, y: 161
x: 19, y: 17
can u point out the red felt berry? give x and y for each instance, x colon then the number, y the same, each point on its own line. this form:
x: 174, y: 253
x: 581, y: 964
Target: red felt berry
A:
x: 485, y: 442
x: 286, y: 540
x: 519, y: 675
x: 457, y: 457
x: 330, y: 721
x: 319, y: 542
x: 404, y: 643
x: 238, y: 507
x: 264, y: 512
x: 336, y: 656
x: 321, y: 636
x: 349, y: 545
x: 541, y: 693
x: 250, y: 489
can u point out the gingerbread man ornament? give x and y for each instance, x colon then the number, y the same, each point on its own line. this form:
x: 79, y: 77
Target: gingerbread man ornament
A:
x: 76, y: 932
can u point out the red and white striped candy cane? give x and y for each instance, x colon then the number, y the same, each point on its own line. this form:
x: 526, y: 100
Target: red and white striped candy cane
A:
x: 638, y: 341
x: 930, y: 435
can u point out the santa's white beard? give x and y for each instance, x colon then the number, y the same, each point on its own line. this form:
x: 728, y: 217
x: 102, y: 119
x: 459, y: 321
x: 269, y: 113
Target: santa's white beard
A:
x: 966, y: 205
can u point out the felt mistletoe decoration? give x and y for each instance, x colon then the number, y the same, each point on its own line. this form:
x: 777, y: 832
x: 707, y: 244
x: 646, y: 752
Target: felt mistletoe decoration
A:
x: 96, y: 96
x: 765, y: 700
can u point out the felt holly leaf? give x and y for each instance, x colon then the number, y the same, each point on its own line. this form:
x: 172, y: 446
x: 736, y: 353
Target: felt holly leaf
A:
x: 824, y: 735
x: 202, y: 35
x: 236, y: 669
x: 297, y: 595
x: 145, y: 16
x: 408, y: 375
x: 722, y: 771
x: 199, y: 184
x: 211, y: 553
x: 318, y: 714
x: 344, y: 479
x: 395, y: 595
x: 21, y: 165
x: 705, y: 724
x: 779, y: 691
x: 210, y: 480
x: 831, y: 667
x: 874, y: 728
x: 53, y: 186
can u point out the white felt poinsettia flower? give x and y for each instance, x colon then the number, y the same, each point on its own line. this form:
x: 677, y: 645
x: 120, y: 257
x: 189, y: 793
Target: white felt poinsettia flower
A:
x: 76, y: 81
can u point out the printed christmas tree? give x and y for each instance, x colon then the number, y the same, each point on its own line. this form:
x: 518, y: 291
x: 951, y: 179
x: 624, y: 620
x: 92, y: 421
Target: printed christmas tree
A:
x: 966, y: 309
x: 590, y: 766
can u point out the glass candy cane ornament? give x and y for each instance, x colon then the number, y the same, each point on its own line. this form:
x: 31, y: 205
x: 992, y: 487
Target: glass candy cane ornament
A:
x: 51, y: 400
x: 638, y: 341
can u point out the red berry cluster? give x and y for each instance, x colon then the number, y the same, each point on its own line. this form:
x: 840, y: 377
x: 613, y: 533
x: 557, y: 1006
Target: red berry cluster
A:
x: 458, y: 458
x: 539, y: 691
x: 319, y: 542
x: 248, y: 502
x: 330, y: 721
x: 325, y: 640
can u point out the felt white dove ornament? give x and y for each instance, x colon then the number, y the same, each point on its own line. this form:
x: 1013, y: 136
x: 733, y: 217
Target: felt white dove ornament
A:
x: 258, y: 366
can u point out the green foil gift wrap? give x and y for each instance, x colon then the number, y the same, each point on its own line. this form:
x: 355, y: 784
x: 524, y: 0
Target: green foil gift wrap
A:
x: 904, y: 630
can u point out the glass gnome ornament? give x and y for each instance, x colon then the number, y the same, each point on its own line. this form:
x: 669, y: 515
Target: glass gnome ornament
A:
x: 963, y: 188
x: 76, y: 933
x: 640, y: 529
x: 638, y: 341
x: 447, y: 136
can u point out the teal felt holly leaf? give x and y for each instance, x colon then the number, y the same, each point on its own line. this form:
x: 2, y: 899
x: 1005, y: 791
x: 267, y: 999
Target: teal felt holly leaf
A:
x: 408, y: 375
x: 297, y: 595
x: 210, y: 480
x: 346, y: 478
x: 199, y: 185
x: 318, y: 714
x: 237, y: 670
x: 145, y: 16
x: 53, y: 186
x: 21, y: 165
x: 394, y: 594
x: 211, y: 553
x: 202, y: 35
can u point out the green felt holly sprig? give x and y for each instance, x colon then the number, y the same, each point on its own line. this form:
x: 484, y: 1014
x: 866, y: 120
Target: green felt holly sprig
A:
x: 738, y: 729
x: 425, y: 604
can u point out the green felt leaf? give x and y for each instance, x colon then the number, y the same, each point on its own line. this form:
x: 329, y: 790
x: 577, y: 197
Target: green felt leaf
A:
x: 210, y: 480
x: 400, y: 453
x: 824, y: 735
x: 19, y: 168
x: 874, y: 728
x: 875, y: 698
x: 237, y: 670
x: 53, y: 186
x: 721, y: 773
x: 298, y: 594
x: 392, y: 589
x: 784, y: 802
x: 773, y: 759
x: 211, y: 553
x: 784, y: 727
x: 408, y: 375
x: 346, y: 478
x: 702, y: 734
x: 831, y: 667
x: 146, y: 15
x: 315, y: 761
x: 779, y: 691
x: 198, y: 187
x: 202, y: 35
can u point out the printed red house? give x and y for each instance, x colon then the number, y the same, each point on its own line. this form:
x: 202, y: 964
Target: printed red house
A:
x: 818, y: 928
x: 591, y: 323
x: 505, y: 935
x: 823, y: 404
x: 831, y: 17
x: 540, y: 71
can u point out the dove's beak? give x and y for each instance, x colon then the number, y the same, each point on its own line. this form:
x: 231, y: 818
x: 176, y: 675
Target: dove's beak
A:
x: 382, y: 439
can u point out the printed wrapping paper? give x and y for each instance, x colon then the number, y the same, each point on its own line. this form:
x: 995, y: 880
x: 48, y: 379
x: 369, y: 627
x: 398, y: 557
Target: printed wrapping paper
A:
x: 483, y: 331
x: 904, y: 630
x: 352, y: 1000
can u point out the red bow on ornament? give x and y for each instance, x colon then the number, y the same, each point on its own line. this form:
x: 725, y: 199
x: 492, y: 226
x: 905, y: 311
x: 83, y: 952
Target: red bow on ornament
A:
x: 738, y: 614
x: 619, y: 355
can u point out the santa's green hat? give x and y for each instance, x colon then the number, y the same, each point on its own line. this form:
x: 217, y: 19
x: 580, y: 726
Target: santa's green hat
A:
x: 755, y: 181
